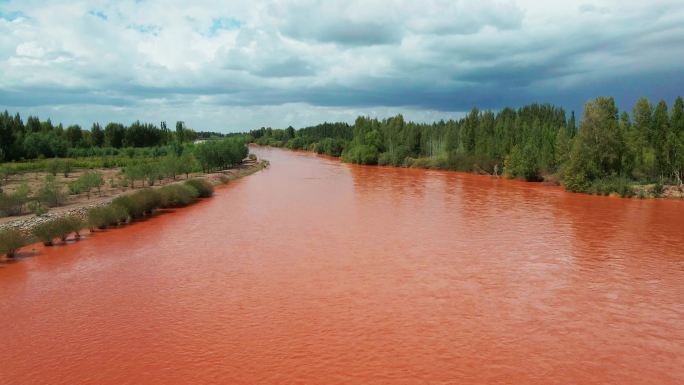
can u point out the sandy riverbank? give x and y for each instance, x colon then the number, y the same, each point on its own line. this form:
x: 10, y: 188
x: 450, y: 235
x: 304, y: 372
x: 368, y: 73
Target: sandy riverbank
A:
x: 78, y: 206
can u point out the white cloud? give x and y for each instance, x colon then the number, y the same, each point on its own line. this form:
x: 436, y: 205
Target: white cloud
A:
x: 226, y: 65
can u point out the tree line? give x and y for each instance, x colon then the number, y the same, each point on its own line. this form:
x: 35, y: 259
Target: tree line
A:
x: 325, y: 138
x: 608, y: 152
x: 42, y: 139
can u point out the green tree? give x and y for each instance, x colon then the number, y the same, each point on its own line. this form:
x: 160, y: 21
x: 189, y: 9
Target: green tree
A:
x: 180, y: 132
x: 74, y: 135
x: 658, y: 136
x: 675, y: 141
x: 597, y: 151
x: 638, y: 140
x: 97, y: 136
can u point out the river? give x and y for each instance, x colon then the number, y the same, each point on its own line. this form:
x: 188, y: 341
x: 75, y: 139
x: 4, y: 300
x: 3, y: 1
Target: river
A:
x: 318, y: 272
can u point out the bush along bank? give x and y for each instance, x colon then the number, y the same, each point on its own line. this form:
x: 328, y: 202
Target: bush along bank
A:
x: 119, y: 212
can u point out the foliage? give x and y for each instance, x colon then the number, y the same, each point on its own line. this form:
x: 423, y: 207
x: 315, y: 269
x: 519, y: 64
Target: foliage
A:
x: 138, y: 204
x: 611, y: 185
x: 522, y: 163
x: 35, y: 139
x: 177, y: 195
x: 13, y: 203
x: 220, y: 154
x: 101, y: 217
x: 11, y: 240
x: 361, y: 154
x: 74, y: 225
x: 608, y: 151
x: 204, y: 188
x: 46, y: 232
x: 50, y: 193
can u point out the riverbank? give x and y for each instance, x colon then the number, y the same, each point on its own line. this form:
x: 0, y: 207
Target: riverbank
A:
x: 27, y: 224
x: 632, y: 190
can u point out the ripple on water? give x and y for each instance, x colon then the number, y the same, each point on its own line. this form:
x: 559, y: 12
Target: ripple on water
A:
x: 313, y: 271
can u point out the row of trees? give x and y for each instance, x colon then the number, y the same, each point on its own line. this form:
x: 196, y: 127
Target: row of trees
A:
x: 648, y: 146
x: 326, y: 138
x: 533, y: 142
x: 209, y: 156
x: 221, y: 154
x: 42, y: 139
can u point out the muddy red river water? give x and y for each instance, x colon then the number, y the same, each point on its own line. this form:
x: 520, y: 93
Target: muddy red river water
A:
x: 318, y: 272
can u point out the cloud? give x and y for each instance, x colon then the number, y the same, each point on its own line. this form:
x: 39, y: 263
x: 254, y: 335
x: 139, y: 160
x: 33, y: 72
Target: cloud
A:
x: 231, y: 64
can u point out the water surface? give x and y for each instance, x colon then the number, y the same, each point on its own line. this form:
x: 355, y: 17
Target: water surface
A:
x: 317, y: 272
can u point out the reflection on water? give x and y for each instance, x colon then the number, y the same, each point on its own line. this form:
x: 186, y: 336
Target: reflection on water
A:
x: 314, y: 271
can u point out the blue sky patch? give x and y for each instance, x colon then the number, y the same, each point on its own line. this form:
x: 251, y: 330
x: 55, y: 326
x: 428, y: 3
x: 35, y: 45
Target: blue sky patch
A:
x: 98, y: 14
x: 223, y: 23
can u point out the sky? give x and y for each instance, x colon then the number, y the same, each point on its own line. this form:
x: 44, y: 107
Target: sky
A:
x: 236, y: 65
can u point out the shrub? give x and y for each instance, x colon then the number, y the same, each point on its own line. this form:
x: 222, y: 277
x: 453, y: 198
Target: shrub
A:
x: 86, y: 183
x: 421, y: 163
x: 66, y: 168
x: 13, y: 203
x: 204, y: 188
x: 74, y: 225
x: 46, y: 232
x: 140, y: 203
x: 361, y: 154
x: 330, y: 146
x: 11, y: 241
x: 37, y: 208
x: 75, y: 187
x: 177, y: 195
x: 149, y: 199
x: 658, y: 189
x: 50, y: 193
x: 606, y: 186
x: 130, y: 205
x: 64, y: 227
x: 53, y: 166
x: 397, y: 157
x: 100, y: 217
x: 119, y: 214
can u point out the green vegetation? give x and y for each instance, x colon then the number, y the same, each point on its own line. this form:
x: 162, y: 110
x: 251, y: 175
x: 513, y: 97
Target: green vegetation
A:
x: 204, y: 188
x: 177, y: 195
x: 11, y: 241
x: 120, y: 211
x: 134, y: 206
x: 50, y: 193
x: 13, y: 203
x: 140, y: 166
x: 57, y: 228
x: 86, y: 183
x: 35, y: 139
x: 610, y: 153
x: 327, y: 138
x: 74, y: 225
x: 101, y: 217
x: 221, y: 154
